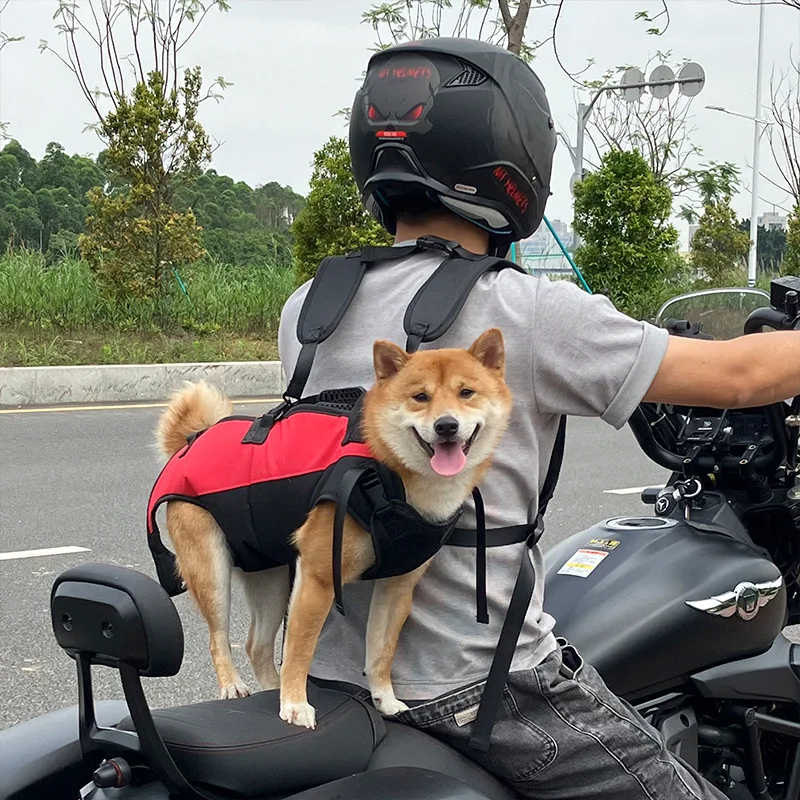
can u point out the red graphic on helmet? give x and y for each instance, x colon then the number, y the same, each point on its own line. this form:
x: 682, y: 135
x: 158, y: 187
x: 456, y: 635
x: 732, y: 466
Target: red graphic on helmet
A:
x: 399, y: 95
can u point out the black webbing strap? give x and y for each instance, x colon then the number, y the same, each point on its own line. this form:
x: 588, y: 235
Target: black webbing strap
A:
x: 439, y: 300
x: 481, y: 603
x: 349, y: 482
x: 553, y: 470
x: 503, y: 655
x: 517, y: 607
x: 330, y: 295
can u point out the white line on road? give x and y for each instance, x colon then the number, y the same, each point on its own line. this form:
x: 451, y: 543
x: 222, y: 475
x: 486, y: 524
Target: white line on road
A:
x: 632, y: 490
x: 47, y: 551
x: 117, y: 406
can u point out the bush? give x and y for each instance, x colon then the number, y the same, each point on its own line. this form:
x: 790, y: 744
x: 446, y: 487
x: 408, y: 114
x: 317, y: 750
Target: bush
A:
x: 333, y: 221
x: 628, y: 251
x: 68, y: 296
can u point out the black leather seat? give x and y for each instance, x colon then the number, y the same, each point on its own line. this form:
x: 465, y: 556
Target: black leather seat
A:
x: 242, y: 749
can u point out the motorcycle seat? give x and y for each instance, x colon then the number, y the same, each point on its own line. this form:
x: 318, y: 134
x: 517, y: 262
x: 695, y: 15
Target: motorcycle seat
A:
x: 242, y: 749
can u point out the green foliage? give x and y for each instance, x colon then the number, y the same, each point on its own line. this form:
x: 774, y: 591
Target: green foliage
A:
x: 44, y: 205
x: 67, y: 296
x: 500, y: 22
x: 243, y: 226
x: 39, y: 201
x: 791, y: 260
x: 333, y: 220
x: 718, y: 246
x: 155, y: 142
x: 628, y: 251
x: 771, y: 247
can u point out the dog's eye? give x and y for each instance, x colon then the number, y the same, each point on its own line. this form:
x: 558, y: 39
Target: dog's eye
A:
x: 465, y: 394
x: 421, y: 397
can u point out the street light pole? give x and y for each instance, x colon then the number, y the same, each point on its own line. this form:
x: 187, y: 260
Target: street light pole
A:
x: 753, y: 252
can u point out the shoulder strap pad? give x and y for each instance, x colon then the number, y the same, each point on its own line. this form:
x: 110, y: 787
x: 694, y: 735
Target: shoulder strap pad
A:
x: 329, y: 296
x: 440, y: 299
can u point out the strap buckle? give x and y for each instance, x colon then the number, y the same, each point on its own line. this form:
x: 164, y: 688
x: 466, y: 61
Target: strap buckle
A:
x: 259, y: 430
x: 450, y: 247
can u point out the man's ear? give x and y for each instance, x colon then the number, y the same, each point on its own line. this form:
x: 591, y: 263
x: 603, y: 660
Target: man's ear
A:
x: 490, y: 350
x: 388, y: 359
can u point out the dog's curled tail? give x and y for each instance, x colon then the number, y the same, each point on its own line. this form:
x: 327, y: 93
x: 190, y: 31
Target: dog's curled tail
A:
x: 194, y: 408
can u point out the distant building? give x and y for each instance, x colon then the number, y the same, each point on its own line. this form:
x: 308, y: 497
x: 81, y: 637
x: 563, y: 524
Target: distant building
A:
x: 692, y: 231
x: 773, y: 221
x: 541, y: 252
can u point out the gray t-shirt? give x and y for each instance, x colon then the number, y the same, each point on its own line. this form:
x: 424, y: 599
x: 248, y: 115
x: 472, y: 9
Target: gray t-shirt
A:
x: 567, y: 353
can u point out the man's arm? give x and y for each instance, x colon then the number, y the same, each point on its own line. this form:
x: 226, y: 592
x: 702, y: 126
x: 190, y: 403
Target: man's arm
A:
x: 752, y: 370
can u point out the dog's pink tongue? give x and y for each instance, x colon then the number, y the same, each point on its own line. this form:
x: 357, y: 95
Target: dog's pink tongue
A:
x: 448, y: 458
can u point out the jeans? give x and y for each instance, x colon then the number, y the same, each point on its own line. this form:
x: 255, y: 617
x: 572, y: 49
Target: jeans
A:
x: 561, y: 734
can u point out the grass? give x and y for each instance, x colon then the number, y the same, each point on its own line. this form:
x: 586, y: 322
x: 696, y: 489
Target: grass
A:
x: 58, y: 315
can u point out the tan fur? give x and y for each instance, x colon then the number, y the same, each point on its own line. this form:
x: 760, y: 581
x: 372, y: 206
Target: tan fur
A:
x: 192, y: 409
x: 390, y: 410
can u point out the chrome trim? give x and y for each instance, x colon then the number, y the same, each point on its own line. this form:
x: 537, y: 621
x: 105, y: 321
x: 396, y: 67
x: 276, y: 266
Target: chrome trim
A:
x: 705, y: 292
x: 746, y: 600
x: 655, y: 523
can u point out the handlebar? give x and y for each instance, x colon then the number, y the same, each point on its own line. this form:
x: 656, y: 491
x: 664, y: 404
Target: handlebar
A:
x: 765, y: 316
x: 769, y: 453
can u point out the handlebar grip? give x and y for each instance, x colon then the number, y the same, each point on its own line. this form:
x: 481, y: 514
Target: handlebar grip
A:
x: 765, y: 316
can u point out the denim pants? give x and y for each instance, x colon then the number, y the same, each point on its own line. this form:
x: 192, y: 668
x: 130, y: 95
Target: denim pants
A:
x: 561, y: 734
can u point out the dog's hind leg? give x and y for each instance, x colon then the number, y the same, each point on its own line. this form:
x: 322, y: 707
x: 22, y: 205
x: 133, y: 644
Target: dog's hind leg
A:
x: 267, y: 596
x: 204, y: 562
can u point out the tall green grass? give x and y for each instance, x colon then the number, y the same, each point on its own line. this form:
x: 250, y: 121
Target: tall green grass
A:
x: 66, y: 296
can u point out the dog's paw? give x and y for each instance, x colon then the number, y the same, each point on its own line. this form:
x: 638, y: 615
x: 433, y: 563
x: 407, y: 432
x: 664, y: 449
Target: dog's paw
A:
x: 389, y: 706
x: 301, y: 714
x: 234, y: 690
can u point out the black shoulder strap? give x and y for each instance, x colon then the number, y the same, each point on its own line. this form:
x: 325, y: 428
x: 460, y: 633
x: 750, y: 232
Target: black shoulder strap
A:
x: 553, y: 469
x: 331, y: 292
x: 430, y: 315
x: 440, y: 299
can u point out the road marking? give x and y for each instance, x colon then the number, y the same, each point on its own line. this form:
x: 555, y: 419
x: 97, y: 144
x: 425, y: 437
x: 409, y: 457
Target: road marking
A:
x: 47, y: 551
x: 116, y: 407
x: 632, y: 490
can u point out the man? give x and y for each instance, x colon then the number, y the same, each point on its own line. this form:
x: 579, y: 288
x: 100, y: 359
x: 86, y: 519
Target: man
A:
x: 453, y: 138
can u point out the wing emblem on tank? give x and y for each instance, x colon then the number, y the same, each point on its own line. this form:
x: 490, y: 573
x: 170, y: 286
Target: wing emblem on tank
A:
x: 746, y: 600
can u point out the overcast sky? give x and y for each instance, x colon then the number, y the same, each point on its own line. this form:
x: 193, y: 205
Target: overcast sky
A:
x: 293, y: 63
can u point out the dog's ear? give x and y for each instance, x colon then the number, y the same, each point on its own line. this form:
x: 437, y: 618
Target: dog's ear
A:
x: 490, y: 350
x: 388, y: 358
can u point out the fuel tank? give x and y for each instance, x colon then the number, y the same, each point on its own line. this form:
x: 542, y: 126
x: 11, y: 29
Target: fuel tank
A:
x: 649, y: 600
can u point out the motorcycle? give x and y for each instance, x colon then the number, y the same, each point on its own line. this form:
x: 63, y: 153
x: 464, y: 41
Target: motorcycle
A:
x: 682, y: 611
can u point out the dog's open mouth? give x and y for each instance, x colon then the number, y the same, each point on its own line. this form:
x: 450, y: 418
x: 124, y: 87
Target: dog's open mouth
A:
x: 447, y: 457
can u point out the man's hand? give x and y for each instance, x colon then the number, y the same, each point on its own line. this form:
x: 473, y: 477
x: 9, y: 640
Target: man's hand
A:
x: 752, y: 370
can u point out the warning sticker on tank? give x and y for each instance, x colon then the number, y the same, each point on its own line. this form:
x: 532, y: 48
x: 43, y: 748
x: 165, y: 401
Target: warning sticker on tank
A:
x: 583, y: 563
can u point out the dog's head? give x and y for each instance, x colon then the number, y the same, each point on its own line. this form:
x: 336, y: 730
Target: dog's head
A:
x: 438, y: 412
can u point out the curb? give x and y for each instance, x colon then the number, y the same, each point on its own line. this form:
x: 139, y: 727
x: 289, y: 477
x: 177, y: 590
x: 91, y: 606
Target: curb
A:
x: 109, y: 383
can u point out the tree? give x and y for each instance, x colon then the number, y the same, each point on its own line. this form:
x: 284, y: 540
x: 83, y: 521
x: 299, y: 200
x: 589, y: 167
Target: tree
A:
x: 784, y: 143
x: 789, y: 3
x: 771, y: 247
x: 147, y: 116
x: 656, y: 128
x: 333, y: 221
x: 502, y: 22
x: 5, y: 39
x: 242, y: 226
x: 622, y: 215
x: 718, y: 247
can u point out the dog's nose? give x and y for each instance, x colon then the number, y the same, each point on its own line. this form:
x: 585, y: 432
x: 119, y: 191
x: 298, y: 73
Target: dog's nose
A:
x: 446, y: 426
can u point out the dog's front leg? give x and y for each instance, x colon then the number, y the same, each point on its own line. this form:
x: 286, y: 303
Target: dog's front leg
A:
x: 388, y: 611
x: 312, y: 597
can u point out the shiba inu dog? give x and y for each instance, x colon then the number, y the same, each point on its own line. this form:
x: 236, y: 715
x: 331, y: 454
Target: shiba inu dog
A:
x: 435, y: 419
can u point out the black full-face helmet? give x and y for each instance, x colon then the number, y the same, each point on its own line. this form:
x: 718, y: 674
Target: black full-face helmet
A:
x: 455, y: 122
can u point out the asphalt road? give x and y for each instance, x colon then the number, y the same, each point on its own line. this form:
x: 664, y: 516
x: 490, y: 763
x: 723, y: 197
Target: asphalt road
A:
x: 81, y: 478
